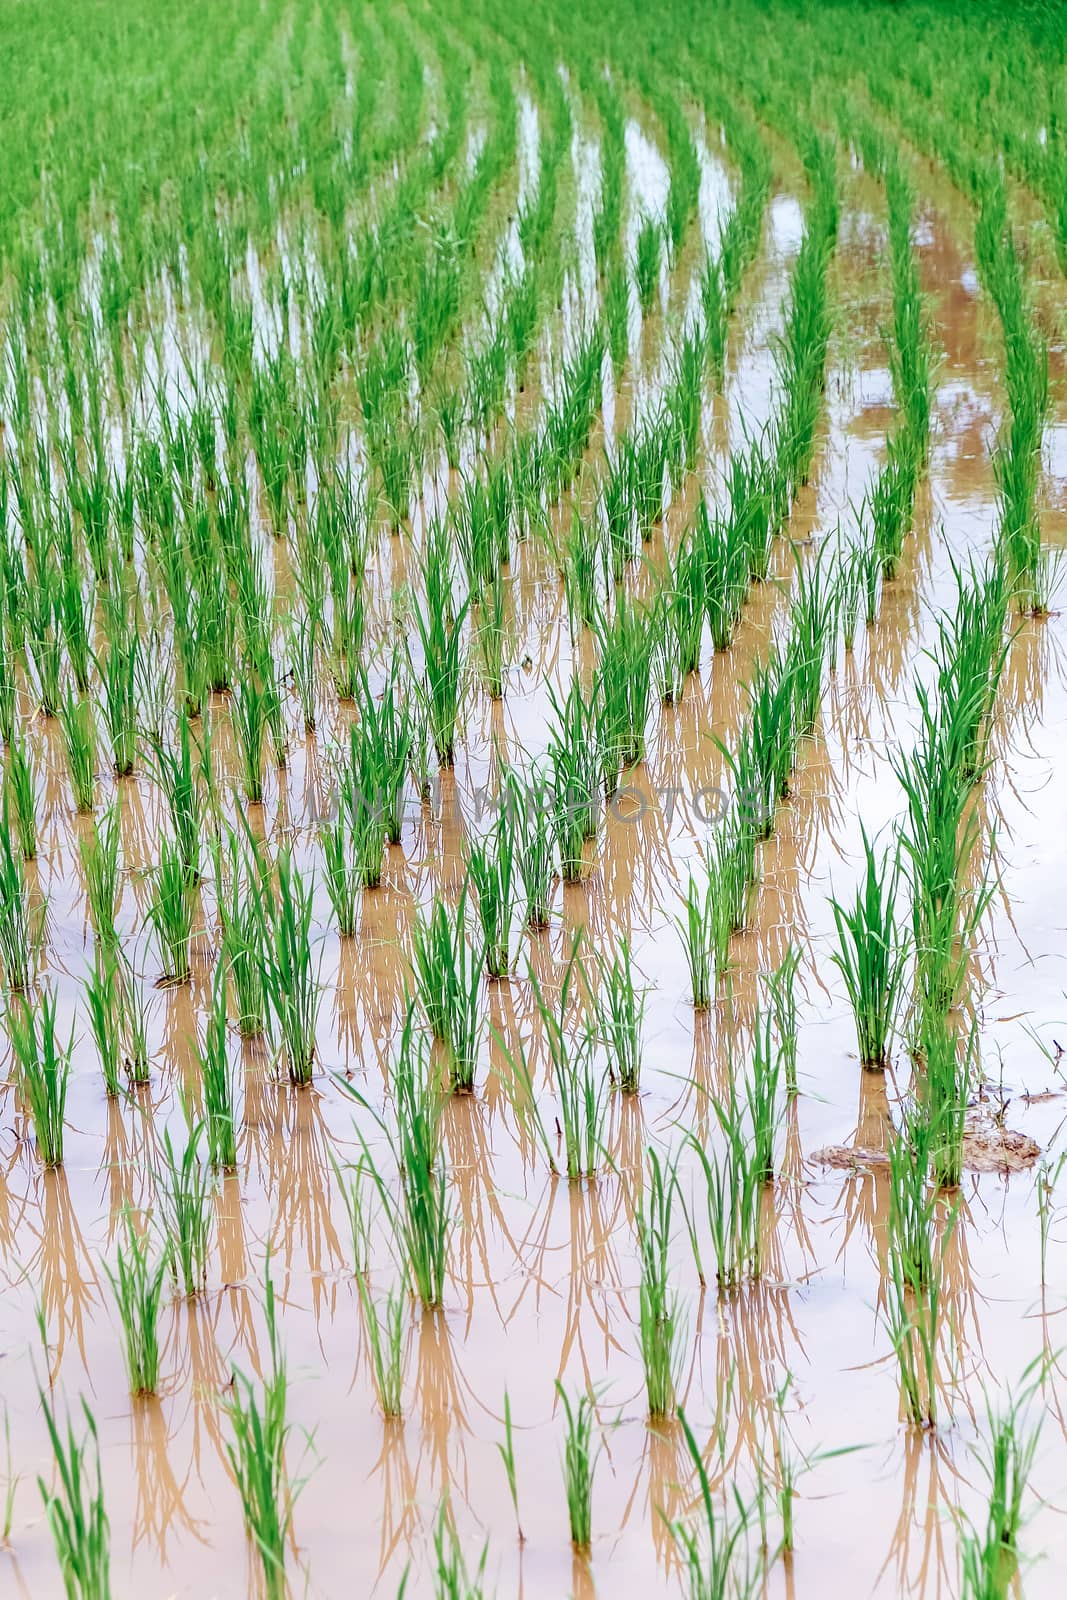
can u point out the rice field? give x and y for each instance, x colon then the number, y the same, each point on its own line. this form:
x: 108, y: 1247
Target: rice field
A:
x: 532, y: 959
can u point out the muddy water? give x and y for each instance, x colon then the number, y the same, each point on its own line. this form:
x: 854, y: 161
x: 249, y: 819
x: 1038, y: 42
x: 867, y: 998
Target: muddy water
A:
x: 544, y: 1275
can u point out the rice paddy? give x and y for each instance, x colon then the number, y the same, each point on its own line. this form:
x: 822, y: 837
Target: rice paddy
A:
x: 531, y: 868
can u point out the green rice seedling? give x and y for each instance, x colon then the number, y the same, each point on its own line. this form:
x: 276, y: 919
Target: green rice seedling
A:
x: 724, y: 561
x: 217, y: 1079
x: 447, y: 981
x: 182, y: 1188
x: 493, y: 869
x: 579, y: 1081
x: 103, y: 1003
x: 950, y: 1069
x: 380, y: 752
x: 492, y: 635
x: 290, y: 978
x: 1007, y: 1463
x: 244, y: 914
x: 452, y: 1577
x: 698, y: 930
x: 137, y: 1284
x: 715, y: 312
x: 871, y: 955
x: 77, y: 1519
x: 44, y: 638
x: 813, y: 619
x: 582, y: 561
x: 439, y: 625
x: 536, y: 856
x: 174, y: 772
x: 574, y: 765
x: 385, y: 1336
x: 20, y: 795
x: 617, y: 312
x: 579, y: 1462
x: 733, y: 1192
x: 78, y: 726
x: 342, y: 875
x: 687, y: 601
x: 912, y: 1204
x: 622, y: 700
x: 249, y: 716
x: 891, y: 501
x: 648, y: 251
x: 773, y: 728
x: 913, y: 1322
x: 732, y: 873
x: 685, y: 403
x: 42, y: 1069
x: 507, y: 1456
x: 781, y: 988
x: 761, y: 1096
x: 659, y: 1303
x: 119, y: 674
x: 99, y: 852
x: 420, y: 1221
x: 171, y: 913
x: 620, y: 1009
x: 133, y: 1025
x: 858, y: 576
x: 303, y: 635
x: 261, y: 1431
x: 619, y: 520
x: 714, y: 1555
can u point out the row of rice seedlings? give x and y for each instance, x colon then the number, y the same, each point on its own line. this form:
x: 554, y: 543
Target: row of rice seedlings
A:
x: 739, y: 241
x: 1017, y: 460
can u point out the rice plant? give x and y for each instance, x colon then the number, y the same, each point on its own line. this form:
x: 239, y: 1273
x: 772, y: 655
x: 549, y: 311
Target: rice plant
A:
x: 659, y: 1326
x: 447, y: 981
x: 419, y: 1220
x: 137, y: 1283
x: 218, y: 1081
x: 170, y: 912
x: 290, y: 976
x: 42, y: 1069
x: 99, y: 850
x: 493, y: 870
x: 580, y: 1082
x: 78, y: 725
x: 16, y: 954
x: 713, y: 1551
x: 385, y: 1337
x: 183, y: 1195
x: 507, y: 1456
x: 261, y: 1431
x: 103, y: 1003
x: 871, y: 955
x: 579, y: 1461
x: 620, y: 1008
x: 648, y: 251
x: 74, y: 1509
x: 20, y: 796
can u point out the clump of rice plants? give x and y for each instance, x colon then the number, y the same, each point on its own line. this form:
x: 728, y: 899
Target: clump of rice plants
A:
x: 42, y: 1067
x: 261, y: 1432
x: 659, y: 1327
x: 447, y: 982
x: 137, y: 1283
x: 16, y: 952
x: 871, y: 955
x: 620, y: 1008
x: 217, y: 1080
x: 580, y: 1080
x: 579, y: 1462
x: 75, y: 1510
x: 171, y: 913
x: 713, y: 1551
x: 290, y: 977
x: 183, y: 1192
x: 385, y: 1337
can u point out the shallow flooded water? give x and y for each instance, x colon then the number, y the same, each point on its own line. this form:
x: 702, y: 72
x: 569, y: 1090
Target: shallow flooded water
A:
x: 543, y: 1280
